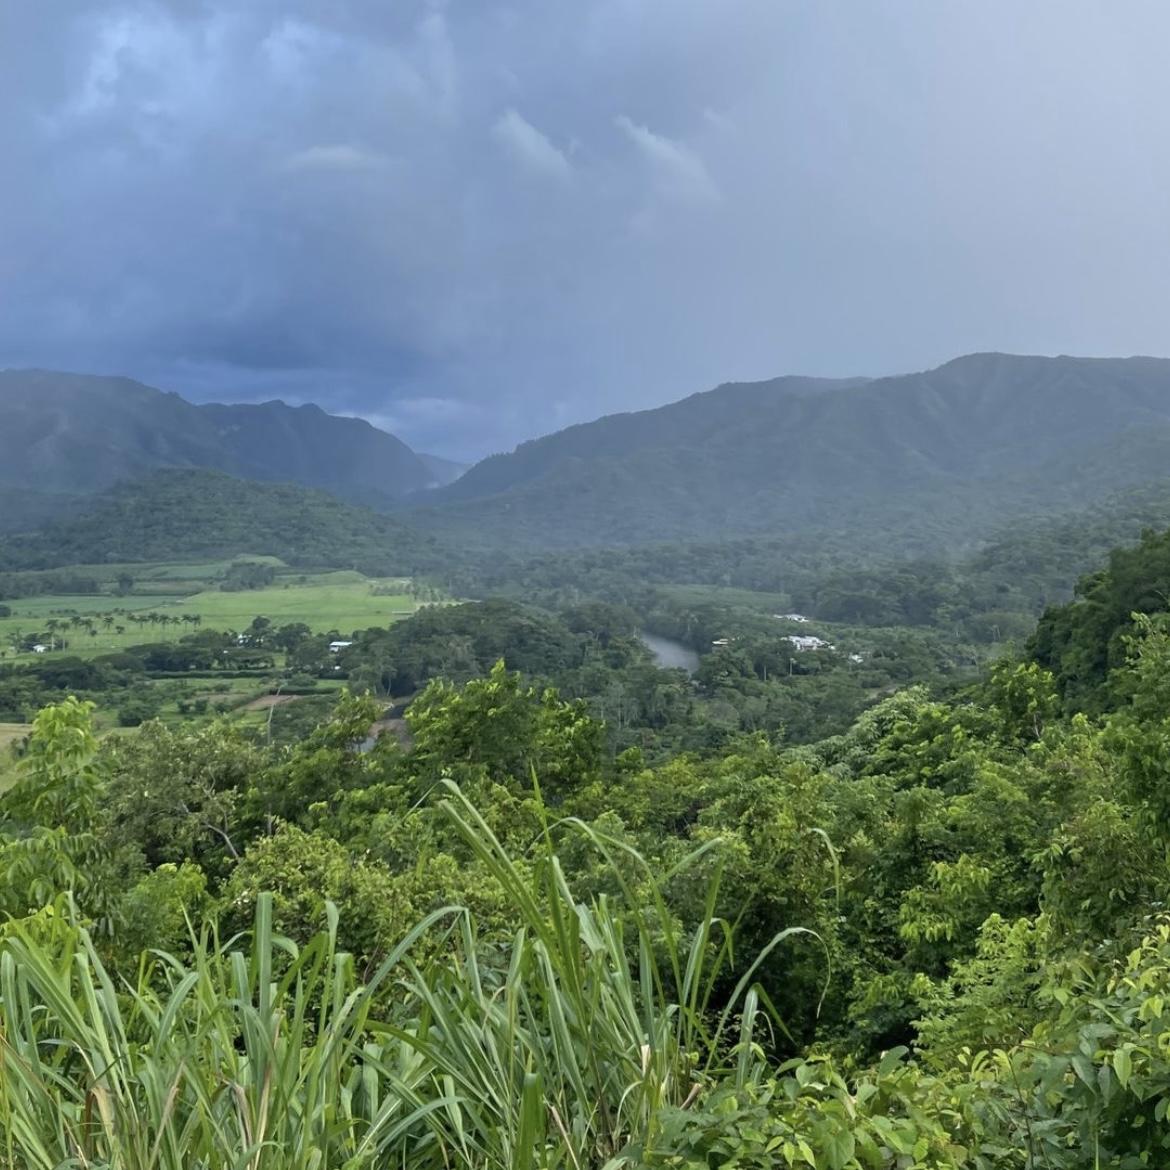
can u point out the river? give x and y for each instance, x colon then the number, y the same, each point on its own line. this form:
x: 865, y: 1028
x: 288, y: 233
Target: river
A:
x: 669, y: 654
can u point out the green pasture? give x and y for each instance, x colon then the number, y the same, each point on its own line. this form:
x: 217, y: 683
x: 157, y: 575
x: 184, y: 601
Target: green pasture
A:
x: 324, y: 601
x: 145, y: 571
x: 196, y: 570
x: 32, y: 615
x: 342, y: 601
x: 30, y: 610
x: 9, y: 734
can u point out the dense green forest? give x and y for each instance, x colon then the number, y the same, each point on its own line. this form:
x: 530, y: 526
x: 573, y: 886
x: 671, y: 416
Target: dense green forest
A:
x: 176, y: 514
x: 924, y: 462
x: 756, y: 683
x: 992, y: 592
x: 932, y: 936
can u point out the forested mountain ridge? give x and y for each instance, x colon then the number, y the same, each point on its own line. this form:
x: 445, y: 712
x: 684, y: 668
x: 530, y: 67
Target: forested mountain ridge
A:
x: 186, y: 514
x: 919, y: 460
x: 74, y: 433
x: 685, y: 423
x: 22, y: 509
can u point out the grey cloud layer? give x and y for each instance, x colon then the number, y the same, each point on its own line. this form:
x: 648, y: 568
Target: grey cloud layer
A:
x: 476, y: 221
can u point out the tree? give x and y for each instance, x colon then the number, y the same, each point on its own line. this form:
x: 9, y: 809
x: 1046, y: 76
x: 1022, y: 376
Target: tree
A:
x: 175, y: 794
x: 497, y: 728
x: 52, y: 841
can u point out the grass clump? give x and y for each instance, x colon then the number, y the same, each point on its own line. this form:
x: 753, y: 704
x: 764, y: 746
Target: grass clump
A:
x: 566, y: 1049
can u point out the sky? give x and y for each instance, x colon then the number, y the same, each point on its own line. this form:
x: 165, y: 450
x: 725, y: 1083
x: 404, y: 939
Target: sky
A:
x: 475, y: 222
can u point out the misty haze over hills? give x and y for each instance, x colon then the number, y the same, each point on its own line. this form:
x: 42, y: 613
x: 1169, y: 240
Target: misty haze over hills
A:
x: 73, y: 434
x: 923, y: 460
x: 926, y: 454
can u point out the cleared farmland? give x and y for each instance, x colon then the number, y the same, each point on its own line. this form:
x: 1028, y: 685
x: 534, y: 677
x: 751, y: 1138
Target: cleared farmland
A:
x: 175, y: 595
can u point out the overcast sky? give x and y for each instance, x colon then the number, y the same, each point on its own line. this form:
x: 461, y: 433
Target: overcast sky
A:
x: 474, y: 222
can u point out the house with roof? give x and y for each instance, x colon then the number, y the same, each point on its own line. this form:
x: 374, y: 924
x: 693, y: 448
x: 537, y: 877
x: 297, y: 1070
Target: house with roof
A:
x: 803, y: 642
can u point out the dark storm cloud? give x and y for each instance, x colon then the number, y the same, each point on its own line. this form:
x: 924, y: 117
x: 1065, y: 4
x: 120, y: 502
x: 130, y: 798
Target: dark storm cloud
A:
x: 476, y: 221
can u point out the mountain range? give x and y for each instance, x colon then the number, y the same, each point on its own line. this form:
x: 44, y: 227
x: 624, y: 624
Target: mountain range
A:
x: 921, y: 459
x: 68, y: 435
x: 909, y: 464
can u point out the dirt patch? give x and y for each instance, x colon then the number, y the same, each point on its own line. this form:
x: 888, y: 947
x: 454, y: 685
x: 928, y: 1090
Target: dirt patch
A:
x: 213, y: 697
x: 266, y: 702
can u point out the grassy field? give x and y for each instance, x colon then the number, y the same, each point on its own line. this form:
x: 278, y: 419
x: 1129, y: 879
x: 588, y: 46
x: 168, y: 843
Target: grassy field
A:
x: 343, y: 601
x: 10, y: 733
x: 162, y: 605
x: 195, y: 570
x: 31, y: 610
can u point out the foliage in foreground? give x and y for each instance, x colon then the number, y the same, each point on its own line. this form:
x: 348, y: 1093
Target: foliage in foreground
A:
x: 591, y: 1040
x: 624, y: 976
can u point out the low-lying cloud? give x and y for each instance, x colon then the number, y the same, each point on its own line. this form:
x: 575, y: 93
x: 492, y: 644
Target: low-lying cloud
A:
x: 533, y: 213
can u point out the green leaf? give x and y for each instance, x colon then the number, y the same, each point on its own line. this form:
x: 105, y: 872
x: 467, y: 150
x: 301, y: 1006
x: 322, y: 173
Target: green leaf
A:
x: 1123, y: 1065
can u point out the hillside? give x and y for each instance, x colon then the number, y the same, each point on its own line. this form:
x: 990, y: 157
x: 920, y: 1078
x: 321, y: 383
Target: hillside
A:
x: 21, y: 510
x: 914, y: 462
x: 1088, y: 639
x: 180, y: 514
x: 73, y: 433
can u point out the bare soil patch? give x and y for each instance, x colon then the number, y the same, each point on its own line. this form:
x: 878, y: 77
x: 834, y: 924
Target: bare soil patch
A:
x: 266, y: 702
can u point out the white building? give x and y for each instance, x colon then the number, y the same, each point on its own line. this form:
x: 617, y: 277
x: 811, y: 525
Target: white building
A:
x: 335, y: 646
x: 790, y: 617
x: 808, y: 642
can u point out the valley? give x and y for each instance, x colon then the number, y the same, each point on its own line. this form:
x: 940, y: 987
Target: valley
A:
x: 191, y: 641
x: 584, y: 586
x: 187, y: 595
x: 898, y: 743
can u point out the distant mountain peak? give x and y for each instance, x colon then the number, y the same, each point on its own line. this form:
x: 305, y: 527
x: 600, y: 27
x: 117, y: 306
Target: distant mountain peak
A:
x: 78, y: 433
x: 983, y: 434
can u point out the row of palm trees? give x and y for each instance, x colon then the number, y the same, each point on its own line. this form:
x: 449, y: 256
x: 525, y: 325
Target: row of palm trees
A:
x: 115, y: 622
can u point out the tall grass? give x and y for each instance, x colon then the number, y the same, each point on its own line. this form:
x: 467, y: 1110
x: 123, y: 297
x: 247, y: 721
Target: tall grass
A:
x: 563, y: 1051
